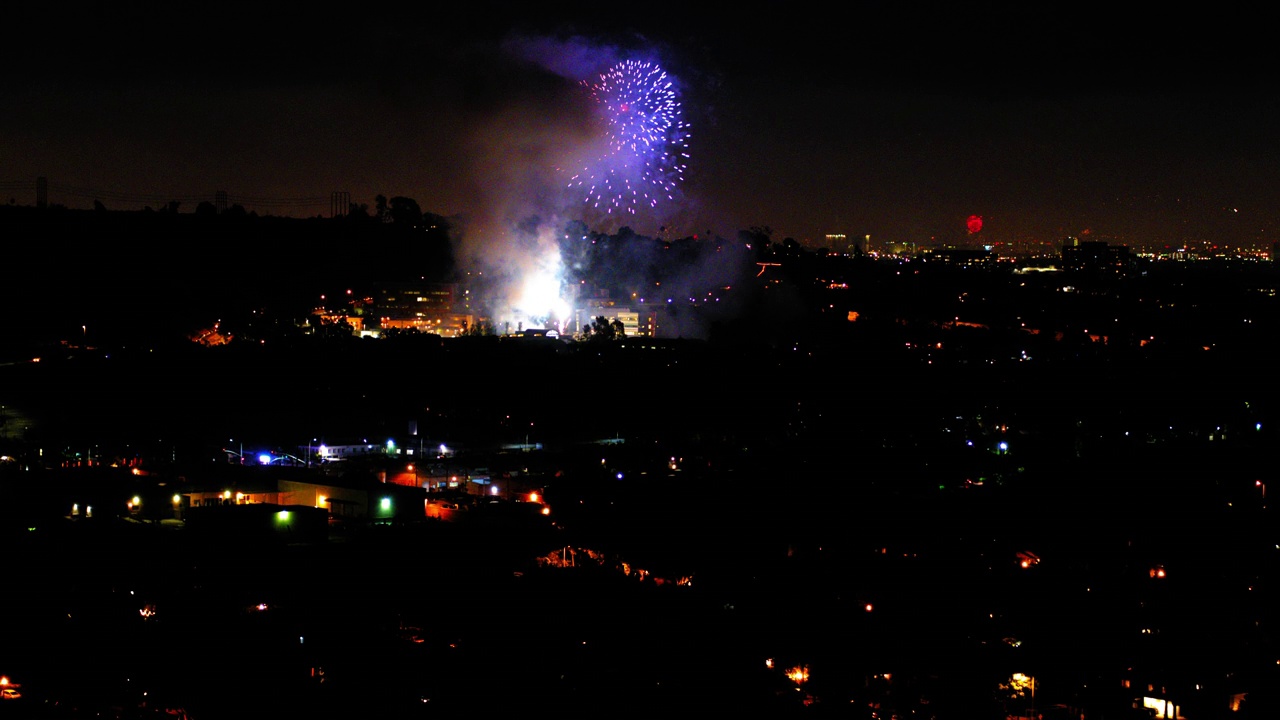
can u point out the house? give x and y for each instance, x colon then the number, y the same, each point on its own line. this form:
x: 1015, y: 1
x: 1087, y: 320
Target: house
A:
x: 342, y: 499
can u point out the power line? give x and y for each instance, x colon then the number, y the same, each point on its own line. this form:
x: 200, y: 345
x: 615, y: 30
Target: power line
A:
x: 125, y: 196
x: 220, y: 198
x: 278, y: 201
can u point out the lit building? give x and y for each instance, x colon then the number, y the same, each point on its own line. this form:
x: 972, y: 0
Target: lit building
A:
x: 298, y: 488
x: 960, y: 257
x: 1095, y: 256
x: 634, y: 322
x: 425, y: 307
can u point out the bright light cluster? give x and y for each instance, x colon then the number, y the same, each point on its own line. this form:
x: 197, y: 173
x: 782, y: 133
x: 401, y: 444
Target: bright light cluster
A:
x: 647, y: 139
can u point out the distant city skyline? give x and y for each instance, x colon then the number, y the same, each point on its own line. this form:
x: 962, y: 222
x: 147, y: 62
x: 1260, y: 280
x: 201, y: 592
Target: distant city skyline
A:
x: 1047, y: 122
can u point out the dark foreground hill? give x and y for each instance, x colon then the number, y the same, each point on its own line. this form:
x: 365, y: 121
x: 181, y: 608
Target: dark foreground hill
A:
x: 154, y: 276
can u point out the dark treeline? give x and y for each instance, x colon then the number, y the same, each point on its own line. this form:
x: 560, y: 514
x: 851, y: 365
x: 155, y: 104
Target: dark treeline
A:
x: 161, y: 274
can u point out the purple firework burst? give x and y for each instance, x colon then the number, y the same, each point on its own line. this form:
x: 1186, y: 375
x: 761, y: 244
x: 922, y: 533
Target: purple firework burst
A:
x: 647, y: 139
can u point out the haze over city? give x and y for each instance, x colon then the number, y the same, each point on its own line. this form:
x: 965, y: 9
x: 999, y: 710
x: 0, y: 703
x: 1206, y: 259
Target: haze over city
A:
x: 1055, y: 121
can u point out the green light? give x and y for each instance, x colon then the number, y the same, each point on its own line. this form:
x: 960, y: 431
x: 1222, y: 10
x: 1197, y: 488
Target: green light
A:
x: 386, y: 503
x: 282, y: 516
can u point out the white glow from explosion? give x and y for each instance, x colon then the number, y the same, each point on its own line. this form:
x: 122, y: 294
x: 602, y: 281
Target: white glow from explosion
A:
x: 540, y: 302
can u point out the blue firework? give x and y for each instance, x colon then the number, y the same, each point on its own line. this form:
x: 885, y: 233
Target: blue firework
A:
x: 647, y: 139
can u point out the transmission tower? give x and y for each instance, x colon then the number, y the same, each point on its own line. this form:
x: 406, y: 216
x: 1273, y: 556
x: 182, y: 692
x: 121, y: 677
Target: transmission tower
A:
x: 339, y: 204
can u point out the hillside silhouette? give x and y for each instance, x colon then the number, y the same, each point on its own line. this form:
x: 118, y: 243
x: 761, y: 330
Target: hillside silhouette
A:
x: 159, y: 274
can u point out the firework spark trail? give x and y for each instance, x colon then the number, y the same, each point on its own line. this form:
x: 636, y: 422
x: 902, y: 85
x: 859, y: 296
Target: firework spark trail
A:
x: 647, y: 139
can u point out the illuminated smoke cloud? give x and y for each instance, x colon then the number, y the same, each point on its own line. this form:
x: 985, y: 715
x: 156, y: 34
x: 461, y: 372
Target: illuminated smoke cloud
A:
x: 624, y: 129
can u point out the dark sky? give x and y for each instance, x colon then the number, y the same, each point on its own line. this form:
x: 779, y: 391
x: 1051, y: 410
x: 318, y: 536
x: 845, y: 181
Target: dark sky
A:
x: 1140, y: 124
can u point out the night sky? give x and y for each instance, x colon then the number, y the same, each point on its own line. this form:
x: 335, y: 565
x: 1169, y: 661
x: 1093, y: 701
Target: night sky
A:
x: 1143, y: 125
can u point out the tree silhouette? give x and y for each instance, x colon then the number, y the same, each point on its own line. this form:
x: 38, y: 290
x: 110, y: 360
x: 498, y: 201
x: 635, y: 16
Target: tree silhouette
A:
x: 405, y: 212
x: 603, y: 330
x: 479, y: 328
